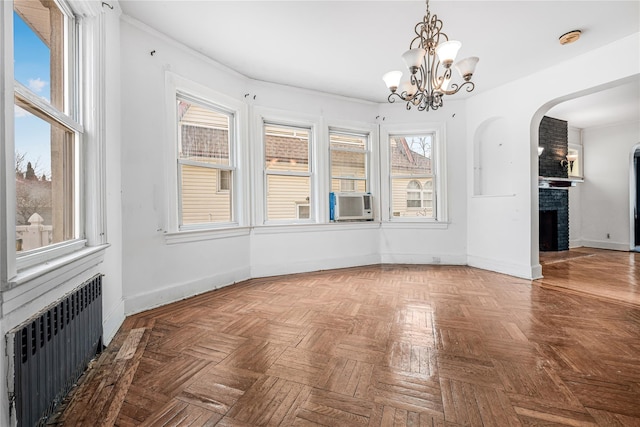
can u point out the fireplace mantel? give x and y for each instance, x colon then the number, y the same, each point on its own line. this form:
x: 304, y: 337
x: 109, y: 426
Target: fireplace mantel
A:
x: 555, y: 182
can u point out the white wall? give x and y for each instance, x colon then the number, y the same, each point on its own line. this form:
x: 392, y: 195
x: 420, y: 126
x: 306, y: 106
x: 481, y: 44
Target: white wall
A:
x: 493, y: 159
x: 155, y: 272
x: 575, y: 197
x: 43, y: 286
x: 503, y: 231
x: 432, y: 243
x: 605, y: 192
x: 158, y: 270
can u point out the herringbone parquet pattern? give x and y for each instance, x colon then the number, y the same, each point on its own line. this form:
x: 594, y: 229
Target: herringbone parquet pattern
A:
x: 380, y: 346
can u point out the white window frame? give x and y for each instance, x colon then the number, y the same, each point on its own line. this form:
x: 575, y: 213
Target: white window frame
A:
x: 84, y: 114
x: 231, y: 167
x: 259, y: 192
x: 177, y: 85
x: 367, y: 156
x: 438, y: 165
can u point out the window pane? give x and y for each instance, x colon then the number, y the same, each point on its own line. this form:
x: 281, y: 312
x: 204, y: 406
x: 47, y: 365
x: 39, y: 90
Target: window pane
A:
x: 349, y: 185
x: 38, y: 32
x: 350, y: 142
x: 204, y: 134
x: 408, y: 199
x: 286, y: 149
x: 224, y: 180
x: 411, y: 155
x: 201, y: 201
x: 284, y: 194
x: 347, y: 164
x: 574, y: 165
x: 304, y: 212
x: 45, y: 163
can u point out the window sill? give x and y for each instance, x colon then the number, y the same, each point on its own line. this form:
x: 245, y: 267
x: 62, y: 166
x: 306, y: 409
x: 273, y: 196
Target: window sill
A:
x: 70, y: 264
x: 413, y: 224
x: 178, y: 237
x: 297, y: 228
x: 215, y: 234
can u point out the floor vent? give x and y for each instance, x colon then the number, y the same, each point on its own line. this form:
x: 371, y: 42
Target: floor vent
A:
x: 52, y: 350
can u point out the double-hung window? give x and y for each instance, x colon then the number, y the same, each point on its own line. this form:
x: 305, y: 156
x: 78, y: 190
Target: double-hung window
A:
x: 48, y: 131
x: 288, y: 172
x: 206, y: 163
x: 413, y: 174
x: 349, y: 165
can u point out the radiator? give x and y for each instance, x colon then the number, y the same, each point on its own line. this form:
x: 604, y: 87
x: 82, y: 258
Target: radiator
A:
x: 52, y: 350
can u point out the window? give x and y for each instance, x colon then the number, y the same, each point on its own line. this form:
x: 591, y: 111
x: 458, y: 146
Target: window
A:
x: 48, y: 132
x: 412, y: 175
x: 287, y: 172
x: 349, y: 168
x: 574, y: 159
x: 224, y: 180
x: 303, y: 211
x: 205, y: 163
x: 347, y: 185
x: 414, y: 194
x: 420, y: 196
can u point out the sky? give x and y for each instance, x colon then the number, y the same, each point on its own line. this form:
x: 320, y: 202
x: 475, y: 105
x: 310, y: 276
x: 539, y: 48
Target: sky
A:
x: 31, y: 68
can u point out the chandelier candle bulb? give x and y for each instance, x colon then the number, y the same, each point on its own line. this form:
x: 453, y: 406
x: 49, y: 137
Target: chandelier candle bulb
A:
x: 408, y: 88
x: 414, y: 58
x: 429, y: 59
x: 466, y: 67
x: 392, y: 80
x: 447, y: 52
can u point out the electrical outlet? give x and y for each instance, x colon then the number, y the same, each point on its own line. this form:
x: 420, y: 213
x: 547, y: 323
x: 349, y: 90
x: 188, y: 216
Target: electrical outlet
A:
x: 436, y: 260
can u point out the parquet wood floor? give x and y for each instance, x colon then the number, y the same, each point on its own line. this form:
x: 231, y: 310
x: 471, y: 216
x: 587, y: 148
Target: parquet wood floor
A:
x: 381, y: 346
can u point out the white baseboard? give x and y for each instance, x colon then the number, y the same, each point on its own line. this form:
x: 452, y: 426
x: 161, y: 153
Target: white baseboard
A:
x: 111, y: 323
x: 575, y: 244
x: 158, y: 297
x: 604, y: 244
x: 268, y: 270
x: 426, y: 259
x: 523, y: 271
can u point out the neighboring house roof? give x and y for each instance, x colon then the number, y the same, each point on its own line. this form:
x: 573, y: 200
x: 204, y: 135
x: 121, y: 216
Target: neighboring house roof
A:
x: 207, y: 142
x: 405, y: 159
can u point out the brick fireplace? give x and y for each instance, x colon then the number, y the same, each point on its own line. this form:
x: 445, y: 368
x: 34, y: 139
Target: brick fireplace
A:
x: 553, y: 202
x: 554, y: 219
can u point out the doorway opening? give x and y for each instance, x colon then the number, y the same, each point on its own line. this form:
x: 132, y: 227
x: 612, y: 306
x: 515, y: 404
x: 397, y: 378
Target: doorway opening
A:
x: 636, y: 203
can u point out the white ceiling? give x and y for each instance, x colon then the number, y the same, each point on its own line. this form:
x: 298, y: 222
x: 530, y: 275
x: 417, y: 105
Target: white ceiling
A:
x: 344, y: 47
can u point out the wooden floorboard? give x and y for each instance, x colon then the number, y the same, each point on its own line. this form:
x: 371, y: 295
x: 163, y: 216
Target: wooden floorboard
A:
x: 390, y: 345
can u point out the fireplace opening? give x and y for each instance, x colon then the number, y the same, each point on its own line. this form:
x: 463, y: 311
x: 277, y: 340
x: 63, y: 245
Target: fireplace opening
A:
x: 548, y: 230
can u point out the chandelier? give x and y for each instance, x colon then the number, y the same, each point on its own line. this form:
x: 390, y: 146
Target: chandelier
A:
x: 429, y: 59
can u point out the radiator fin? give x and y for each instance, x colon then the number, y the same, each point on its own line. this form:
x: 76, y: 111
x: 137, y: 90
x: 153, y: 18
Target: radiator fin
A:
x: 53, y: 349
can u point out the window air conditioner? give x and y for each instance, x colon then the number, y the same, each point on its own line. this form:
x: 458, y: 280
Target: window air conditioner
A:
x: 350, y: 206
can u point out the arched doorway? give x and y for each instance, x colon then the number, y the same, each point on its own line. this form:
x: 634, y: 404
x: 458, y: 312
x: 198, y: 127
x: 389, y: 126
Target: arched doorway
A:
x: 634, y: 188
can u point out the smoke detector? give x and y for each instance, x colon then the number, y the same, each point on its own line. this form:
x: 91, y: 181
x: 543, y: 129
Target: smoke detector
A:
x: 570, y: 37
